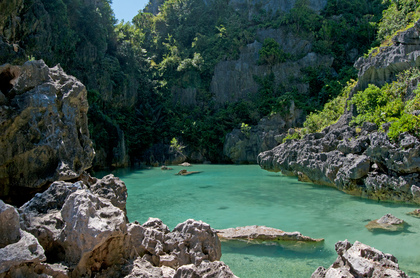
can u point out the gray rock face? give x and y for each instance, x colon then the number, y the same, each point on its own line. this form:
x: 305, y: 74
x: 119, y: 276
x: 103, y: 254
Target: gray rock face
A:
x: 244, y: 148
x: 26, y: 250
x: 44, y: 128
x: 9, y: 228
x: 369, y: 166
x: 360, y: 260
x: 234, y: 80
x: 206, y: 270
x: 84, y: 226
x: 382, y: 66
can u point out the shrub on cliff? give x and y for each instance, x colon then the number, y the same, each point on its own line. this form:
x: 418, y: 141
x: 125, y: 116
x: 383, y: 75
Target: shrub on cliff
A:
x: 388, y: 104
x: 271, y: 53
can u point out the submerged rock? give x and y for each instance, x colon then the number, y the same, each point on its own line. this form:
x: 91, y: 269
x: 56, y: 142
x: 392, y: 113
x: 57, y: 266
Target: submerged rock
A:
x: 415, y: 213
x: 266, y: 235
x: 387, y: 222
x: 186, y: 173
x: 360, y: 260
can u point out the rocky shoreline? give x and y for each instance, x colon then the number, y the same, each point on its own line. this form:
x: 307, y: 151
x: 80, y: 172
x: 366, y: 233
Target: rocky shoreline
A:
x: 364, y: 163
x: 68, y: 223
x: 81, y: 230
x: 361, y: 161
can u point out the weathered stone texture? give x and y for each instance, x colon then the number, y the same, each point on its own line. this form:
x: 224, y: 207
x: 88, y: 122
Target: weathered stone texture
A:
x: 370, y: 165
x: 244, y: 148
x: 360, y: 260
x: 43, y: 129
x: 383, y: 65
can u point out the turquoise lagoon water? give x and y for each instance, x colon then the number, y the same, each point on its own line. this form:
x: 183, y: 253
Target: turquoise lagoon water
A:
x: 228, y: 196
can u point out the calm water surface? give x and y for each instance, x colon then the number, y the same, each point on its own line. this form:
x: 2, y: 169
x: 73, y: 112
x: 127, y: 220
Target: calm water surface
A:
x: 228, y: 196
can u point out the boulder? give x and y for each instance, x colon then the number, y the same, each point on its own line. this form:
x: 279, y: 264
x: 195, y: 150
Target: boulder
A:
x: 193, y: 242
x: 93, y: 232
x: 9, y: 225
x: 79, y: 226
x: 143, y: 268
x: 26, y: 250
x: 206, y: 270
x: 387, y: 222
x: 360, y: 260
x: 112, y: 189
x: 41, y: 148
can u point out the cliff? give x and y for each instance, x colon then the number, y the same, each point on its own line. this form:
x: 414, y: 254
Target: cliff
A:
x: 235, y: 80
x: 360, y: 161
x: 384, y: 63
x: 244, y: 146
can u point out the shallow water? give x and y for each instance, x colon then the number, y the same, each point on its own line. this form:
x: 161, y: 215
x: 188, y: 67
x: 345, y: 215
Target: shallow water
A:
x: 228, y: 196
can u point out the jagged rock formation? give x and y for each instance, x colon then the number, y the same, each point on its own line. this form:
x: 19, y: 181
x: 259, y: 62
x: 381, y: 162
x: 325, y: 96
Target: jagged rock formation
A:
x: 383, y: 64
x: 43, y: 128
x: 234, y: 80
x: 80, y: 230
x: 360, y: 260
x: 242, y: 147
x: 366, y: 164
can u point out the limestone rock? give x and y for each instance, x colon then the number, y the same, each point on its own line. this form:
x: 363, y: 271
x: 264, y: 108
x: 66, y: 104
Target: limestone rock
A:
x: 234, y: 80
x: 244, y: 148
x: 161, y: 154
x: 383, y: 65
x: 41, y: 216
x: 262, y: 233
x: 9, y: 225
x: 360, y: 260
x: 192, y: 242
x: 44, y: 129
x: 89, y: 223
x: 26, y: 250
x: 370, y: 165
x: 112, y: 189
x: 387, y: 222
x: 80, y: 226
x: 206, y: 270
x: 143, y: 268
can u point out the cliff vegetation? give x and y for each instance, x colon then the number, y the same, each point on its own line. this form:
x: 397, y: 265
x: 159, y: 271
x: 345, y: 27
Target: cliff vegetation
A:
x: 157, y: 78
